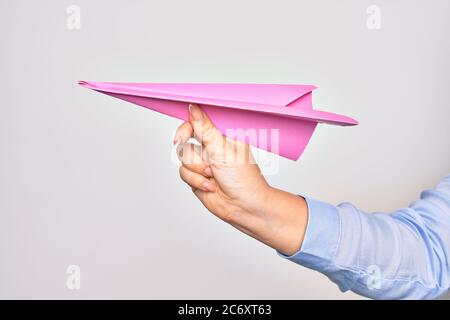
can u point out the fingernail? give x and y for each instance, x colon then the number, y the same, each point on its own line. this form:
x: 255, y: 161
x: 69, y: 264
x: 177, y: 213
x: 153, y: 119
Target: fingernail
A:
x: 208, y: 172
x: 207, y: 186
x: 195, y: 111
x: 178, y: 140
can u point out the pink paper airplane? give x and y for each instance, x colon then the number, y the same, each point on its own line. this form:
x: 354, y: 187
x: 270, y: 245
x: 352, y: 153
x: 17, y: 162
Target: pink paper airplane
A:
x: 275, y: 117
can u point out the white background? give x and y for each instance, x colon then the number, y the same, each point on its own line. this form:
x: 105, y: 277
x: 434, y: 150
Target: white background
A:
x: 87, y: 180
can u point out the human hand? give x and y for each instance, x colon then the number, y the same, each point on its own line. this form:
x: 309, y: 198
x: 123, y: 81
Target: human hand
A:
x: 225, y: 178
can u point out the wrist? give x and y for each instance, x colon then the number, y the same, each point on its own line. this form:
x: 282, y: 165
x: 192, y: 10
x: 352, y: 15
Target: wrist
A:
x: 286, y: 217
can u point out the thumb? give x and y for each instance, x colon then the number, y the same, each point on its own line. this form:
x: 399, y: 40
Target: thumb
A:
x: 204, y: 129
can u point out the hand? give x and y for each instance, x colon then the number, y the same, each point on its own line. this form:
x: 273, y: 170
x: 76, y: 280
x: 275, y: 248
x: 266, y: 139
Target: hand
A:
x: 225, y: 178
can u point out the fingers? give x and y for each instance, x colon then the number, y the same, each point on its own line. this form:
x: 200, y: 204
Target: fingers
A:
x: 196, y: 181
x: 184, y: 133
x: 194, y: 158
x: 204, y: 129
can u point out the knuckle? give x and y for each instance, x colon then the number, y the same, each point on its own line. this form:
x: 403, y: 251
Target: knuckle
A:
x: 212, y: 134
x: 181, y: 173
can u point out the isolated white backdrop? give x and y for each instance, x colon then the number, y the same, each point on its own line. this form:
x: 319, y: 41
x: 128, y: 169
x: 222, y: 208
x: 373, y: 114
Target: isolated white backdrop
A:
x: 87, y: 180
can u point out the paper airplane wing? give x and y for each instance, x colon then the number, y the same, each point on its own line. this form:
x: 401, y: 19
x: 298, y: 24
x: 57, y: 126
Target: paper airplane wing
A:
x: 276, y: 118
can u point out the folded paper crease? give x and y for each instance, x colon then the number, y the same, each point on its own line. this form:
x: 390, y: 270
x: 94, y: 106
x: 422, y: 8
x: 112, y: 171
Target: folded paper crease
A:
x: 278, y: 118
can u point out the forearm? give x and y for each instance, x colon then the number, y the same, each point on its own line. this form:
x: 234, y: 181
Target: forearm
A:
x: 276, y: 218
x: 287, y: 217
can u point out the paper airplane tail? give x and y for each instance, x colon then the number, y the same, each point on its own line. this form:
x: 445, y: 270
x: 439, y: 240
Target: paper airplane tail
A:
x: 285, y: 136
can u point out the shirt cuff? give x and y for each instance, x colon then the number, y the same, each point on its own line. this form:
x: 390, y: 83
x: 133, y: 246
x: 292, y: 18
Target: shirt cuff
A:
x: 321, y: 239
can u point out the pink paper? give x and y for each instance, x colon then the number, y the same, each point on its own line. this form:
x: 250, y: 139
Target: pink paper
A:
x: 275, y: 117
